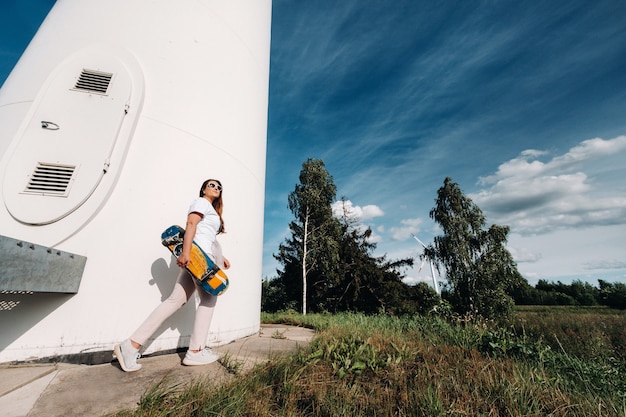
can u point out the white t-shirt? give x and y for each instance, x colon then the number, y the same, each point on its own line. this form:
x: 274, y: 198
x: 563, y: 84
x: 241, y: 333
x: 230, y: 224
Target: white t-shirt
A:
x: 208, y: 226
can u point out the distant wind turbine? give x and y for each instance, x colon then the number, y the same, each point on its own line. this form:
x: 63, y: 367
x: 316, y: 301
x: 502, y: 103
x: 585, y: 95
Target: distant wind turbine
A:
x: 432, y: 268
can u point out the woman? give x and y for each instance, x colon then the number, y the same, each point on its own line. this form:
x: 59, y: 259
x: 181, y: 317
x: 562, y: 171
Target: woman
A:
x: 204, y: 223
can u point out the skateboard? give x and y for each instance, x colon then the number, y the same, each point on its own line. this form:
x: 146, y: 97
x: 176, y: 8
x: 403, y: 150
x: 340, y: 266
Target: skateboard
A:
x: 203, y: 270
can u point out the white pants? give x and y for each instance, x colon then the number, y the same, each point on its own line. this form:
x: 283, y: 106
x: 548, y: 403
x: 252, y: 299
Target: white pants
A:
x: 182, y: 292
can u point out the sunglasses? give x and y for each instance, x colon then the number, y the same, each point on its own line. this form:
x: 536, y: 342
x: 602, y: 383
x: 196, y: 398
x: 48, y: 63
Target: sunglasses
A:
x: 212, y: 185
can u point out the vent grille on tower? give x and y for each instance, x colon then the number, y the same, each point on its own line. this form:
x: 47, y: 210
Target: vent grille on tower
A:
x: 50, y: 179
x: 93, y: 81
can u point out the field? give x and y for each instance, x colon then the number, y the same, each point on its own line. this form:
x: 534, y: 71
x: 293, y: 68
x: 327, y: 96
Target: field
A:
x: 549, y: 361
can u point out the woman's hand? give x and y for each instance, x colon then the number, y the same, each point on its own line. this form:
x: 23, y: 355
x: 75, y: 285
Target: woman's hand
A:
x: 182, y: 260
x: 226, y: 262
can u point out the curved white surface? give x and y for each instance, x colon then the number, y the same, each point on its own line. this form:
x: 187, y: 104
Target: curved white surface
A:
x: 200, y: 70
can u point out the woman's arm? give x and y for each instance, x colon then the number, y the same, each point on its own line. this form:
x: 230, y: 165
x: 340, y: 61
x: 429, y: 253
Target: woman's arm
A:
x: 190, y: 232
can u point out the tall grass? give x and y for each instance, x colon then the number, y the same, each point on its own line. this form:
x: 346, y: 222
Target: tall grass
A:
x: 361, y: 365
x: 585, y: 332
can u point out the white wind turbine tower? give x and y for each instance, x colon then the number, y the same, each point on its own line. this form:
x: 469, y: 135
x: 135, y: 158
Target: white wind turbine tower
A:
x: 111, y: 103
x: 432, y: 268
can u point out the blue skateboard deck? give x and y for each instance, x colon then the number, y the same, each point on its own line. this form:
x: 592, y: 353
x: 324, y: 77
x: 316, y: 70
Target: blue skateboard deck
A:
x: 205, y: 272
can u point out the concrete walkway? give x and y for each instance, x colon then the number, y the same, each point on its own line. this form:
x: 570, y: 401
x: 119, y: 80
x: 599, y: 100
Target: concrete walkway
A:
x: 66, y: 390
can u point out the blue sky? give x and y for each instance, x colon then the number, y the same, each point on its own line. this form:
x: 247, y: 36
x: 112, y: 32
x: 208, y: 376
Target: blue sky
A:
x: 523, y: 104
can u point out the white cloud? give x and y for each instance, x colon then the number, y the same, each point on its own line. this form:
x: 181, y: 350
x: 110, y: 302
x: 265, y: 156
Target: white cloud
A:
x: 535, y: 197
x: 587, y: 150
x: 601, y: 264
x: 357, y: 212
x: 522, y: 255
x: 526, y: 165
x: 409, y: 227
x: 371, y: 211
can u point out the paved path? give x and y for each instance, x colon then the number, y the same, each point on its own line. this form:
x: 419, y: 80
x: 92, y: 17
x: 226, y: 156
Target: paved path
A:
x: 94, y: 390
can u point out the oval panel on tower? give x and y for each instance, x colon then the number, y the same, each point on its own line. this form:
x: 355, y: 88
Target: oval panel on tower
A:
x: 62, y: 151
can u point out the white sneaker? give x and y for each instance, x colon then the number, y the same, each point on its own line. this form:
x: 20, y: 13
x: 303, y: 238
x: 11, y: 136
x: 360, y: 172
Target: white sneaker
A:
x: 204, y: 357
x: 127, y: 356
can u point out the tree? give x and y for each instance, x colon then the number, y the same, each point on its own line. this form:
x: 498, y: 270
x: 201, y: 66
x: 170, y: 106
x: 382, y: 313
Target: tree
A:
x: 327, y: 262
x: 366, y: 283
x: 274, y: 297
x: 578, y: 293
x: 356, y: 269
x: 479, y: 269
x: 309, y: 255
x: 613, y: 295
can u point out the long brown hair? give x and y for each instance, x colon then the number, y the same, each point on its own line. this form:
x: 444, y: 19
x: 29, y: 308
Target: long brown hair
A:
x: 218, y: 204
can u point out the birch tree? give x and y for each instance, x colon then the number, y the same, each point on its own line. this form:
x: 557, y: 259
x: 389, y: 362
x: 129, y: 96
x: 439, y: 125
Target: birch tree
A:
x: 479, y: 268
x: 311, y: 251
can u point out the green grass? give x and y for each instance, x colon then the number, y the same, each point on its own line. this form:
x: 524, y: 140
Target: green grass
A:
x: 585, y: 332
x: 361, y: 365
